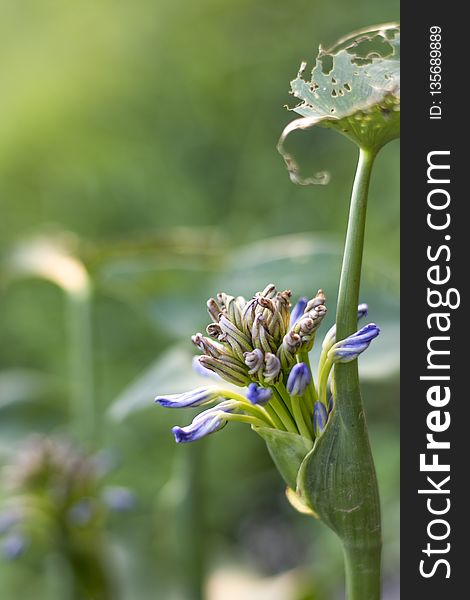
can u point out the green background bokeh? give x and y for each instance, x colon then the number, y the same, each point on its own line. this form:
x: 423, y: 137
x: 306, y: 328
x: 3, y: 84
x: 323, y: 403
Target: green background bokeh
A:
x: 142, y: 135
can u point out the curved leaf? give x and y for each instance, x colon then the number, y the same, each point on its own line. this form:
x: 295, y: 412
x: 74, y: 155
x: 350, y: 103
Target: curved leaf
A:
x: 354, y: 89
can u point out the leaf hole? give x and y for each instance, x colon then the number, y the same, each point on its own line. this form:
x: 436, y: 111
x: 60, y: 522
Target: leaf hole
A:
x: 347, y: 87
x: 326, y: 63
x: 333, y: 93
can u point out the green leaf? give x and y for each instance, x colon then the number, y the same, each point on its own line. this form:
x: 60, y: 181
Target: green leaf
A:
x: 287, y: 450
x: 336, y: 481
x: 354, y: 89
x: 171, y: 373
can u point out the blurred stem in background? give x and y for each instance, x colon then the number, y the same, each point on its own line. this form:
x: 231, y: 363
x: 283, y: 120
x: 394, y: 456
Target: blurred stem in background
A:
x: 191, y: 541
x: 48, y: 259
x: 80, y: 351
x: 89, y: 576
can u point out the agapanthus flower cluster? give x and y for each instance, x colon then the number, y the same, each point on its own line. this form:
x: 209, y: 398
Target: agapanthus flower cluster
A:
x: 263, y: 345
x: 54, y: 497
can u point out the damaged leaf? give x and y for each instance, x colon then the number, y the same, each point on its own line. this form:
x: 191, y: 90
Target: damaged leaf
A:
x: 354, y: 89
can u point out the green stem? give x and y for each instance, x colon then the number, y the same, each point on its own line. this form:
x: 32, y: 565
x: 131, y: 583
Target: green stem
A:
x: 363, y: 546
x: 348, y: 295
x: 244, y: 419
x: 299, y: 417
x: 310, y: 393
x: 275, y: 417
x: 191, y: 538
x: 254, y: 409
x: 278, y: 404
x: 323, y: 381
x: 295, y: 406
x: 362, y: 566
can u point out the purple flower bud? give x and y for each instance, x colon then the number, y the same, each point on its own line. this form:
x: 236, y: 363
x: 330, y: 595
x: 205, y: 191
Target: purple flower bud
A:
x: 330, y: 336
x: 306, y: 326
x: 13, y: 546
x: 254, y: 361
x: 350, y: 348
x: 272, y: 367
x: 299, y: 378
x: 320, y: 418
x: 331, y: 404
x: 362, y: 311
x: 257, y: 394
x: 260, y: 336
x: 298, y: 310
x: 205, y: 423
x: 269, y: 291
x: 227, y: 367
x: 214, y: 310
x: 316, y: 302
x: 207, y: 345
x: 238, y: 340
x: 196, y: 397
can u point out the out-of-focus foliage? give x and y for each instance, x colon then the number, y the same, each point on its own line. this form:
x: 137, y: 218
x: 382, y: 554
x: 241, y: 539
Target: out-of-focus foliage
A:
x: 141, y: 137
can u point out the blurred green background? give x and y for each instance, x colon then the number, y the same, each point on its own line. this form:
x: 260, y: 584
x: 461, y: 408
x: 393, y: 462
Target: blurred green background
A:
x: 138, y: 176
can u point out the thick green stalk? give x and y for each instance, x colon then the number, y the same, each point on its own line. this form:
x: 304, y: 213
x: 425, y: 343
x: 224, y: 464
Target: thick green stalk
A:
x: 362, y: 545
x: 350, y: 279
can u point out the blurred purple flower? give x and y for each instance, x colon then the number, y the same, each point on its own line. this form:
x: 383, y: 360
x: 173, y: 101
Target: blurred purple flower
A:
x: 118, y: 498
x: 13, y: 545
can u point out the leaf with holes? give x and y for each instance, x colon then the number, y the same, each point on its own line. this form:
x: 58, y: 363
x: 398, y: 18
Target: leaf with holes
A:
x: 354, y: 89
